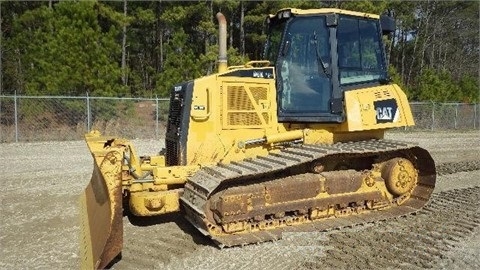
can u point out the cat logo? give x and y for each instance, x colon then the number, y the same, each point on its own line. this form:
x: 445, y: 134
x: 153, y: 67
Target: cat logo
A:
x: 386, y: 111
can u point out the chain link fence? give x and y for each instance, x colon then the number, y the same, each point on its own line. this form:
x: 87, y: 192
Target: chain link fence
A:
x: 56, y: 118
x: 444, y: 116
x: 60, y: 118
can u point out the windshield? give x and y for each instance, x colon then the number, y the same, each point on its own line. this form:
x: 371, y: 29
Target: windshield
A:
x: 302, y: 66
x: 360, y: 57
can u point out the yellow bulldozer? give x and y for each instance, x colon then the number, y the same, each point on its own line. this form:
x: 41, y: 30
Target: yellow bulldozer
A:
x: 294, y: 142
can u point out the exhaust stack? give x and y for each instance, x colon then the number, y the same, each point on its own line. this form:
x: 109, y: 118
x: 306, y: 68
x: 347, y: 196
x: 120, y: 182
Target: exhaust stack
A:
x: 222, y: 42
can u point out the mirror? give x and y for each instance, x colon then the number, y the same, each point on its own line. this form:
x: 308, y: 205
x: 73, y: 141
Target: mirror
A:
x: 387, y: 23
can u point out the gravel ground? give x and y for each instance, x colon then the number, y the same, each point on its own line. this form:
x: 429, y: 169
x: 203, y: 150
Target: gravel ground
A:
x: 41, y: 183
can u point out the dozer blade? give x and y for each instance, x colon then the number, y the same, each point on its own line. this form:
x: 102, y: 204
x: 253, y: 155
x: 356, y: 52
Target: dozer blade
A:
x: 101, y: 214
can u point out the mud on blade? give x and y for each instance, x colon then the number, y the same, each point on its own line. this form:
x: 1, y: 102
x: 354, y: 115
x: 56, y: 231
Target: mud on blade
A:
x: 101, y: 236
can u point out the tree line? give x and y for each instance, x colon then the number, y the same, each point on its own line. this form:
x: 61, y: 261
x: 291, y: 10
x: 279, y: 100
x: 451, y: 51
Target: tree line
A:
x: 142, y: 48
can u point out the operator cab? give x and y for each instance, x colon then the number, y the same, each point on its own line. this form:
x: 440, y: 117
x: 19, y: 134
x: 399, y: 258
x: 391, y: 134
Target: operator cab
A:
x: 319, y: 55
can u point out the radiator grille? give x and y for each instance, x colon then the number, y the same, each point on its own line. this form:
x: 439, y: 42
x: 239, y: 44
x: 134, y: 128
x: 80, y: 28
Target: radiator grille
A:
x: 243, y: 105
x: 238, y: 99
x: 174, y: 125
x: 243, y: 118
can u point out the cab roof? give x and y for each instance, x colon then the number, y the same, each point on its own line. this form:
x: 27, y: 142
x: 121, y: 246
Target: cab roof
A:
x: 296, y: 11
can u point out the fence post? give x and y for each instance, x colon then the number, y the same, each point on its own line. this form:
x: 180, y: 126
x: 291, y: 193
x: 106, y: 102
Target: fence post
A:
x: 475, y: 116
x: 433, y: 115
x: 156, y: 117
x: 1, y: 98
x: 456, y: 115
x: 15, y: 110
x: 88, y: 112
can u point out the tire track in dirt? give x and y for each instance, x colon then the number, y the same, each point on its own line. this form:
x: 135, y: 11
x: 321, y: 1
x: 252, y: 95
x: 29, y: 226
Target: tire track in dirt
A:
x: 150, y: 240
x: 461, y: 166
x: 415, y: 241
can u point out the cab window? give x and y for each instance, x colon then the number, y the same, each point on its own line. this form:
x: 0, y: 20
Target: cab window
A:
x: 360, y: 58
x: 305, y: 57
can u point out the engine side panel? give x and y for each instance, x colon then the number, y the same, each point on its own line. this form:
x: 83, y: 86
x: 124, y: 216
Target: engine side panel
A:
x: 379, y: 107
x: 229, y: 109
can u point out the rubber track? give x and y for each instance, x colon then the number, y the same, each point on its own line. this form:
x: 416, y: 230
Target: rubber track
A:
x: 201, y: 186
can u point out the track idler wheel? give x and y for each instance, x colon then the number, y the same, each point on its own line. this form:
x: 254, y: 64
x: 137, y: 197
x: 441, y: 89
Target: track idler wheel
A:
x: 400, y: 176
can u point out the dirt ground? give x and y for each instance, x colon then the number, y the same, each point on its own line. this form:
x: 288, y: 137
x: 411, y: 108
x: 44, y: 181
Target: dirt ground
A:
x: 41, y: 182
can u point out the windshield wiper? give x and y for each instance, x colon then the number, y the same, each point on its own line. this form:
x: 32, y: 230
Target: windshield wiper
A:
x: 321, y: 64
